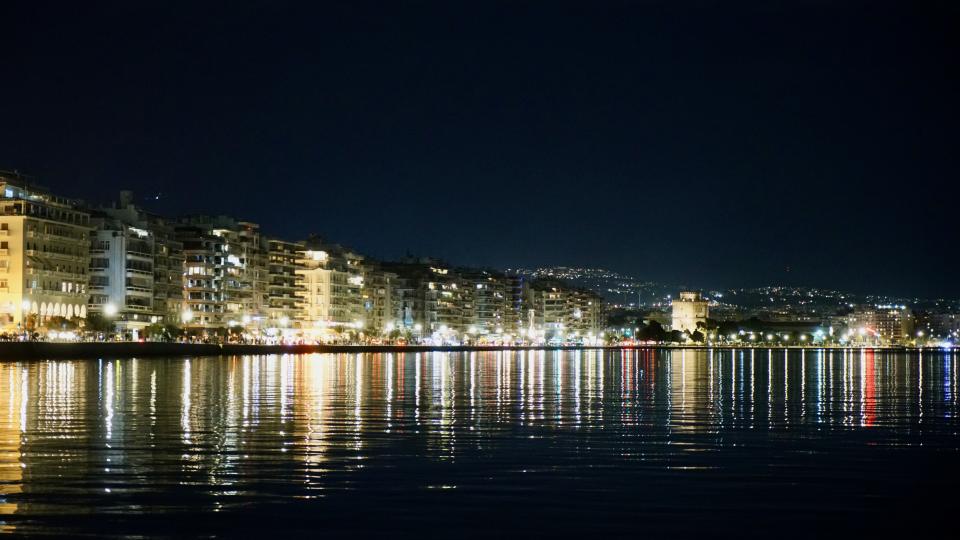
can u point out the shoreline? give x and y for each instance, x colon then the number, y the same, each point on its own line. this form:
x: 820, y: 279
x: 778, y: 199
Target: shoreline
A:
x: 16, y: 350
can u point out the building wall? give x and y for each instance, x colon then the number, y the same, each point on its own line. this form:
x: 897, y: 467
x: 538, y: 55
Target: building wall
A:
x: 44, y: 255
x: 284, y: 287
x: 121, y: 274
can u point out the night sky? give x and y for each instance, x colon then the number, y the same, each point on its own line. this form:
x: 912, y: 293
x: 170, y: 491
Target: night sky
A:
x: 685, y: 142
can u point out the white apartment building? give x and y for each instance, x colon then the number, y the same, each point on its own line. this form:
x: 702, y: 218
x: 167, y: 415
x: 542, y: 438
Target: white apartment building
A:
x: 121, y: 275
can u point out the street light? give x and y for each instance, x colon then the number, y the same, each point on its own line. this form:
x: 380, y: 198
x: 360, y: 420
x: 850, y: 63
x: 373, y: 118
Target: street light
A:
x: 110, y: 309
x: 186, y: 316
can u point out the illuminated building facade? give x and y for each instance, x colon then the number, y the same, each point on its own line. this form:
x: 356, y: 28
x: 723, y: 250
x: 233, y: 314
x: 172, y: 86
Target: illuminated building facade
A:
x: 136, y: 267
x: 689, y: 311
x: 225, y: 273
x: 203, y: 305
x: 490, y: 303
x: 436, y: 302
x: 332, y: 281
x: 558, y: 312
x: 121, y: 274
x: 377, y: 298
x: 44, y: 255
x: 885, y: 324
x: 284, y: 283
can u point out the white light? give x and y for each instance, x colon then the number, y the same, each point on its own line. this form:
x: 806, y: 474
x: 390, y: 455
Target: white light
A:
x: 25, y: 305
x: 246, y: 319
x: 187, y: 315
x: 284, y: 320
x: 110, y: 310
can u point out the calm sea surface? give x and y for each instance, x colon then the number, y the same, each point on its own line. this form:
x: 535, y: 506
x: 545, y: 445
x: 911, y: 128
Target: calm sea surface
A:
x: 748, y: 442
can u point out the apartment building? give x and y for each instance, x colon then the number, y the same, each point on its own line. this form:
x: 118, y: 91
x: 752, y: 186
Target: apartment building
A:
x: 490, y: 305
x: 225, y: 273
x: 437, y: 301
x: 332, y: 281
x: 558, y: 312
x: 121, y: 274
x: 44, y: 255
x: 284, y: 283
x: 377, y: 298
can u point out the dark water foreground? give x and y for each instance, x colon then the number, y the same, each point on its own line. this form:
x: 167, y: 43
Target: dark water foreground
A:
x: 752, y: 443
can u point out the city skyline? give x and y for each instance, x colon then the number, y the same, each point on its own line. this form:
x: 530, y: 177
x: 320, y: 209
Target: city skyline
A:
x: 146, y: 203
x: 666, y: 141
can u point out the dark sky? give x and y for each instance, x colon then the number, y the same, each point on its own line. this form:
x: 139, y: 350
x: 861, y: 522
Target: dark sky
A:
x: 797, y: 142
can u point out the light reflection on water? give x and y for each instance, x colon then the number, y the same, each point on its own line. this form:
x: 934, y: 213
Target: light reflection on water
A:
x: 700, y: 431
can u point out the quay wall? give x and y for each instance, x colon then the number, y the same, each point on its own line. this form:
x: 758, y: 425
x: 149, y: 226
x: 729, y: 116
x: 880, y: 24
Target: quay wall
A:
x: 15, y: 350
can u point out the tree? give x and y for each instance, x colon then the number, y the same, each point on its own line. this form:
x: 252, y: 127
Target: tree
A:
x: 653, y: 331
x: 60, y: 323
x: 96, y: 322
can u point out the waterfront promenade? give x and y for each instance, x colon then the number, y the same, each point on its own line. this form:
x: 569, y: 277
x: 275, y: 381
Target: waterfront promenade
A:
x: 40, y: 350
